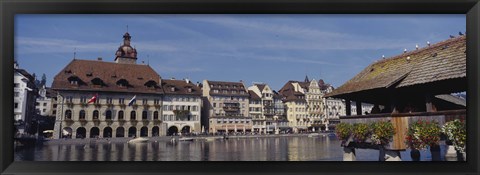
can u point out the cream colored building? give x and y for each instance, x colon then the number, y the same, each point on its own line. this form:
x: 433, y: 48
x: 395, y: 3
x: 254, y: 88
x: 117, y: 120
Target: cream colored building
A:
x: 296, y: 104
x: 265, y: 122
x: 226, y: 107
x: 181, y: 107
x: 114, y: 84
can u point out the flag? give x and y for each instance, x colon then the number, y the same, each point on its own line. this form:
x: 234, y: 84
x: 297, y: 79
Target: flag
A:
x: 92, y: 99
x: 134, y: 98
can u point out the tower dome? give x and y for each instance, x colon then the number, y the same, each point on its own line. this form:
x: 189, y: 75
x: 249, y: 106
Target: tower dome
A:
x: 126, y: 53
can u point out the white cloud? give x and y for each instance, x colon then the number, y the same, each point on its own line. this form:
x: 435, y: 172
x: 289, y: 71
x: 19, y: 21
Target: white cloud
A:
x: 52, y: 45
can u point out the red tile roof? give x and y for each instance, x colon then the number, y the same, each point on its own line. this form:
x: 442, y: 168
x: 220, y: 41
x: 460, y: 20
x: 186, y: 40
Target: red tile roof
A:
x: 181, y: 87
x: 109, y: 74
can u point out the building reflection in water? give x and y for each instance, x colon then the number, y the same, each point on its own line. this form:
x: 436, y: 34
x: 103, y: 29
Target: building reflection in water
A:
x: 254, y: 149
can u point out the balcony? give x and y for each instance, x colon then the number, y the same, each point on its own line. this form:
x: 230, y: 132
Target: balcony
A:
x: 231, y: 108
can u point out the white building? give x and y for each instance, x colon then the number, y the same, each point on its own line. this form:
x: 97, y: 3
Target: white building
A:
x: 25, y: 94
x: 45, y: 104
x: 181, y: 107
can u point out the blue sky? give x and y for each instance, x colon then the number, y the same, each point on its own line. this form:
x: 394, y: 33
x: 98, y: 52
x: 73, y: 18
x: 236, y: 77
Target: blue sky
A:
x: 254, y: 48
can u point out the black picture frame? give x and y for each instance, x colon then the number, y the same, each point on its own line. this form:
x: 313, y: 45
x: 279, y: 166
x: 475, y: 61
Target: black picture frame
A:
x: 9, y: 8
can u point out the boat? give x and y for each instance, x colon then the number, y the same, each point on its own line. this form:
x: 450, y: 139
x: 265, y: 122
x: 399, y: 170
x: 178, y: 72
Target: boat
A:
x: 313, y: 135
x: 138, y: 140
x: 185, y: 139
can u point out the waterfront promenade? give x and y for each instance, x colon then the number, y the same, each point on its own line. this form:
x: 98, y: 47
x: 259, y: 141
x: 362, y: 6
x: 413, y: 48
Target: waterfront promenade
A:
x: 169, y: 138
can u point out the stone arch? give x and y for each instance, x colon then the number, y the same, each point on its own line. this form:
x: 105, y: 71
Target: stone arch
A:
x: 172, y: 130
x: 67, y: 132
x: 155, y: 131
x: 120, y: 132
x: 132, y: 132
x: 94, y: 132
x: 186, y: 129
x: 81, y: 132
x: 144, y: 132
x: 107, y: 132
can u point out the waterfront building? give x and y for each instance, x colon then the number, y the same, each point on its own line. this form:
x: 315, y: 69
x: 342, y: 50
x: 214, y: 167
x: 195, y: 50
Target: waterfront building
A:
x: 226, y: 107
x: 46, y: 103
x: 181, y: 106
x: 293, y: 93
x: 304, y: 101
x: 25, y: 94
x: 280, y: 117
x: 267, y: 107
x: 410, y: 86
x: 314, y: 98
x: 98, y: 98
x: 255, y: 112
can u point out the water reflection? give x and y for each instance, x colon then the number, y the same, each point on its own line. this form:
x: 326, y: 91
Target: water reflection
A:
x: 256, y: 149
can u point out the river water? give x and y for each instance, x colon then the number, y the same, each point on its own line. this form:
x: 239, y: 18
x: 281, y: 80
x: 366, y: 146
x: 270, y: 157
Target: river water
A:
x: 296, y: 148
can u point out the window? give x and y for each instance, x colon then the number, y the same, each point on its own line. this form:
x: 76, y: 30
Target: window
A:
x: 17, y: 94
x: 68, y: 114
x: 54, y: 105
x: 82, y: 115
x: 120, y: 115
x: 215, y: 91
x: 155, y: 115
x: 144, y: 115
x: 54, y: 112
x: 121, y: 100
x: 83, y: 99
x: 109, y: 100
x: 214, y: 105
x: 165, y: 107
x: 16, y: 105
x: 133, y: 115
x: 44, y: 110
x: 156, y: 101
x: 69, y: 99
x: 95, y: 115
x: 16, y: 85
x: 108, y: 115
x: 145, y: 101
x: 44, y: 104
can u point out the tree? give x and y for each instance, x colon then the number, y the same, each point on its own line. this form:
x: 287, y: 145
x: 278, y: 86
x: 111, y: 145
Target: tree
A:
x: 43, y: 81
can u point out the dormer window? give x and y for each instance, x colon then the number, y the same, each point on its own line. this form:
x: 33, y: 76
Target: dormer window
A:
x: 74, y: 80
x: 122, y: 83
x: 226, y: 86
x: 189, y: 89
x: 89, y: 74
x: 151, y: 84
x: 97, y: 82
x: 172, y: 89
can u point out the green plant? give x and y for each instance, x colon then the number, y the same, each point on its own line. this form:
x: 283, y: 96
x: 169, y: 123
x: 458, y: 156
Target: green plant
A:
x: 360, y: 132
x: 456, y: 133
x: 382, y: 132
x: 343, y: 131
x: 423, y: 133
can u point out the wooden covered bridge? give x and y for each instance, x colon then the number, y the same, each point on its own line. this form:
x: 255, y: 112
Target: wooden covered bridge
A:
x: 411, y: 86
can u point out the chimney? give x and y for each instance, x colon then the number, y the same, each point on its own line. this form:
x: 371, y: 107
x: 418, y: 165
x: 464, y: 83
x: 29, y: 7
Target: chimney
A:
x: 187, y: 81
x: 173, y: 78
x: 99, y: 58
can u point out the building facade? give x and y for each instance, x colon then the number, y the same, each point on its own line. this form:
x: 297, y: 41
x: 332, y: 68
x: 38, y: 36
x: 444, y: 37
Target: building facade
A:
x: 226, y: 107
x: 296, y: 105
x: 25, y: 94
x: 181, y: 107
x: 46, y: 103
x: 126, y: 98
x: 266, y: 124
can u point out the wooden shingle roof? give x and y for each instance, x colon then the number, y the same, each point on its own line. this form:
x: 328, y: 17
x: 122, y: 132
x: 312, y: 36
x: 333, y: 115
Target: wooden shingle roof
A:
x: 442, y: 61
x: 109, y: 74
